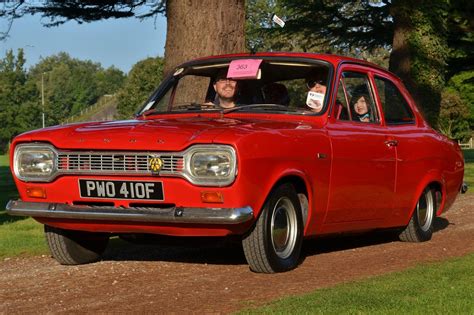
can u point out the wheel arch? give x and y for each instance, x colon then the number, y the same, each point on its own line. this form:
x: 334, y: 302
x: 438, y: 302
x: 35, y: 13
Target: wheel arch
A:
x: 435, y: 181
x: 301, y: 185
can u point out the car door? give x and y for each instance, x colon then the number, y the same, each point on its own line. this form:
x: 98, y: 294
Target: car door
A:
x: 413, y: 146
x: 363, y: 155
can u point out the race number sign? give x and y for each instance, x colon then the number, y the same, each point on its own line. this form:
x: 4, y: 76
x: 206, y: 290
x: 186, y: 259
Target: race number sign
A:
x: 244, y: 69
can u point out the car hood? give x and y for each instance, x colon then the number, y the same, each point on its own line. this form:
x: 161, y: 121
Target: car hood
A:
x: 167, y: 134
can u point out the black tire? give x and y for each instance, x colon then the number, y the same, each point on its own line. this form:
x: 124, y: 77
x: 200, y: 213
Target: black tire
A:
x: 420, y: 227
x: 274, y: 243
x: 75, y: 247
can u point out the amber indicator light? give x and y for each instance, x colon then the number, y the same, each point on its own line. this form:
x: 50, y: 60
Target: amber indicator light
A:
x: 212, y: 197
x: 36, y: 192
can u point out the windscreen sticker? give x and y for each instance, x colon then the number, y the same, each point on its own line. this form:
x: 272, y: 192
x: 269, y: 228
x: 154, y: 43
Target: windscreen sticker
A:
x: 315, y: 100
x: 244, y: 69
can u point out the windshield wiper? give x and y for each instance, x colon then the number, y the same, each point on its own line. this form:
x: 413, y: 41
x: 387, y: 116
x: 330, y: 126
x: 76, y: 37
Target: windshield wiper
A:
x: 184, y: 106
x: 263, y: 106
x: 193, y: 106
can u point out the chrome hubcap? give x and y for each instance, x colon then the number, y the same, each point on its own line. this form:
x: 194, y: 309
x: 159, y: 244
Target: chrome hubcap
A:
x: 425, y: 210
x: 283, y: 227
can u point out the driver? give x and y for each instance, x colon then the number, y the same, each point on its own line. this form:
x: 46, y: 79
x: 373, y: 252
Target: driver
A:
x: 226, y: 90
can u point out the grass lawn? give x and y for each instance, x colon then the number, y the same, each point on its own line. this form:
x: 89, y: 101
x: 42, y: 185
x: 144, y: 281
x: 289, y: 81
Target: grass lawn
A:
x: 18, y: 235
x: 441, y: 288
x: 468, y: 155
x: 469, y: 169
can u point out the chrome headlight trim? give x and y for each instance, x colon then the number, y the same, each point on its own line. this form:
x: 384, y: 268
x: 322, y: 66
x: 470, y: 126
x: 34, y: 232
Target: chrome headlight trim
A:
x: 213, y: 152
x: 29, y: 148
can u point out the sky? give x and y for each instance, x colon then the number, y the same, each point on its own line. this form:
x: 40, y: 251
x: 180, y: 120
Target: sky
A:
x: 117, y: 42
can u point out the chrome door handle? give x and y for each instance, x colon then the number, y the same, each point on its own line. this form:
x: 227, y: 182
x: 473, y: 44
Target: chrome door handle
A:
x: 391, y: 143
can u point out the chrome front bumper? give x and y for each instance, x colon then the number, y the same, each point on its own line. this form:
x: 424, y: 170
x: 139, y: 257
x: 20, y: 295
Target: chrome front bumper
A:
x: 141, y: 214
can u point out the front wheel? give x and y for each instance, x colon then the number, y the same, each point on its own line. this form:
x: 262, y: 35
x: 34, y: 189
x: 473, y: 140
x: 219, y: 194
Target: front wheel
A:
x: 274, y: 244
x: 420, y: 227
x: 75, y: 247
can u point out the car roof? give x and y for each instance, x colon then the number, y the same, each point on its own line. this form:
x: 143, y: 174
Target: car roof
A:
x: 335, y: 60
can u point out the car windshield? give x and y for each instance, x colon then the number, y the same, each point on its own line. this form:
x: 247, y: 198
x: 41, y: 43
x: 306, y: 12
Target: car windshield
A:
x: 244, y: 85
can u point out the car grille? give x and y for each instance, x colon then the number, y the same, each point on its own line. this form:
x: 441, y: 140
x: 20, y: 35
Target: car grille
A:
x: 117, y: 163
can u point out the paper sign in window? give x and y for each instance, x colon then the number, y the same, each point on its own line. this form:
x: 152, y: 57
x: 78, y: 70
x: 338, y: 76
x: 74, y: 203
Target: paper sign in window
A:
x: 315, y: 100
x: 244, y: 69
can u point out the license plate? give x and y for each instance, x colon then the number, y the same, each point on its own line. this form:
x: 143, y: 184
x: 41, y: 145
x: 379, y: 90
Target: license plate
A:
x: 117, y: 189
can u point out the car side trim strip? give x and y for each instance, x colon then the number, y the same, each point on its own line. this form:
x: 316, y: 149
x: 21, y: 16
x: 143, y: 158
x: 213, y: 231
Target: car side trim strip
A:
x: 135, y: 214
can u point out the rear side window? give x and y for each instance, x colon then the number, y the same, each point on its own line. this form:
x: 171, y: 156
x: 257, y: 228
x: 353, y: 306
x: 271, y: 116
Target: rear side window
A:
x: 395, y: 108
x: 356, y: 97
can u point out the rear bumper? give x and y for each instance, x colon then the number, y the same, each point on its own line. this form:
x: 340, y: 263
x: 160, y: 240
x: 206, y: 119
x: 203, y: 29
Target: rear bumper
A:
x: 142, y: 214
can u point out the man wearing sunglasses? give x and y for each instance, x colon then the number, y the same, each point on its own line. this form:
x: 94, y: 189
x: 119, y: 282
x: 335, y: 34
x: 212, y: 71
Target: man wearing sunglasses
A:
x: 316, y: 93
x: 226, y: 90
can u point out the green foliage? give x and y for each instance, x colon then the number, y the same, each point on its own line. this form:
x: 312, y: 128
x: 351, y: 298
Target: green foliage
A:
x: 7, y: 186
x: 427, y: 43
x: 365, y: 29
x: 71, y: 85
x: 463, y: 83
x: 469, y: 156
x: 339, y: 25
x: 142, y: 80
x: 461, y: 36
x: 18, y: 109
x: 441, y: 288
x: 454, y: 116
x: 110, y: 80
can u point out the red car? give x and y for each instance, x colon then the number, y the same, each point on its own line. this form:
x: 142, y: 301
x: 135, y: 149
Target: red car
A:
x: 270, y: 147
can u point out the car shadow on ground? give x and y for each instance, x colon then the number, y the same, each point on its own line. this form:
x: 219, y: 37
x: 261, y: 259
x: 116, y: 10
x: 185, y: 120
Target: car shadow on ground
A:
x: 228, y: 251
x: 215, y: 251
x: 347, y: 241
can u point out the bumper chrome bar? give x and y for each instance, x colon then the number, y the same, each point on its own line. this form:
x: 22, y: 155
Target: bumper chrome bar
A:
x: 141, y: 214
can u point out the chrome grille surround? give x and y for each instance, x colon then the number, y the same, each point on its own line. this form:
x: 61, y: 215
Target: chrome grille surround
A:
x: 114, y: 163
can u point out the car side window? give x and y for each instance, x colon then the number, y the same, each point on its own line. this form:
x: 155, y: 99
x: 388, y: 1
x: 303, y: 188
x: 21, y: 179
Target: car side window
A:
x: 395, y: 108
x: 359, y: 94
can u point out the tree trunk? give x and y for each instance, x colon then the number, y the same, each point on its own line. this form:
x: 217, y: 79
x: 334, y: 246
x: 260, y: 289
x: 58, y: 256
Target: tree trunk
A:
x: 419, y: 51
x: 197, y: 28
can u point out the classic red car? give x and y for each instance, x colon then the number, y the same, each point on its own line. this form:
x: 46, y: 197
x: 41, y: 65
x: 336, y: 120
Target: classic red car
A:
x: 270, y: 147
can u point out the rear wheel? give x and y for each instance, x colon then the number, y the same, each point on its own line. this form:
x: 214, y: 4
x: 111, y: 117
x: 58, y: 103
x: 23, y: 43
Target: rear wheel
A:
x: 420, y: 227
x: 75, y: 247
x: 274, y: 244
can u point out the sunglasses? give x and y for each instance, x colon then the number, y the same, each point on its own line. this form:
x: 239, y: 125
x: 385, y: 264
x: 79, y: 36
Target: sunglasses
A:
x: 223, y: 80
x: 312, y: 83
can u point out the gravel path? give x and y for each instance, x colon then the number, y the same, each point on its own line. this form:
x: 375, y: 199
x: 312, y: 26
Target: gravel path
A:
x: 216, y: 279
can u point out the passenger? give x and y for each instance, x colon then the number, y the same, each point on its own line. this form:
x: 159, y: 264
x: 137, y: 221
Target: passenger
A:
x: 276, y: 93
x: 226, y: 90
x: 317, y: 91
x: 360, y: 104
